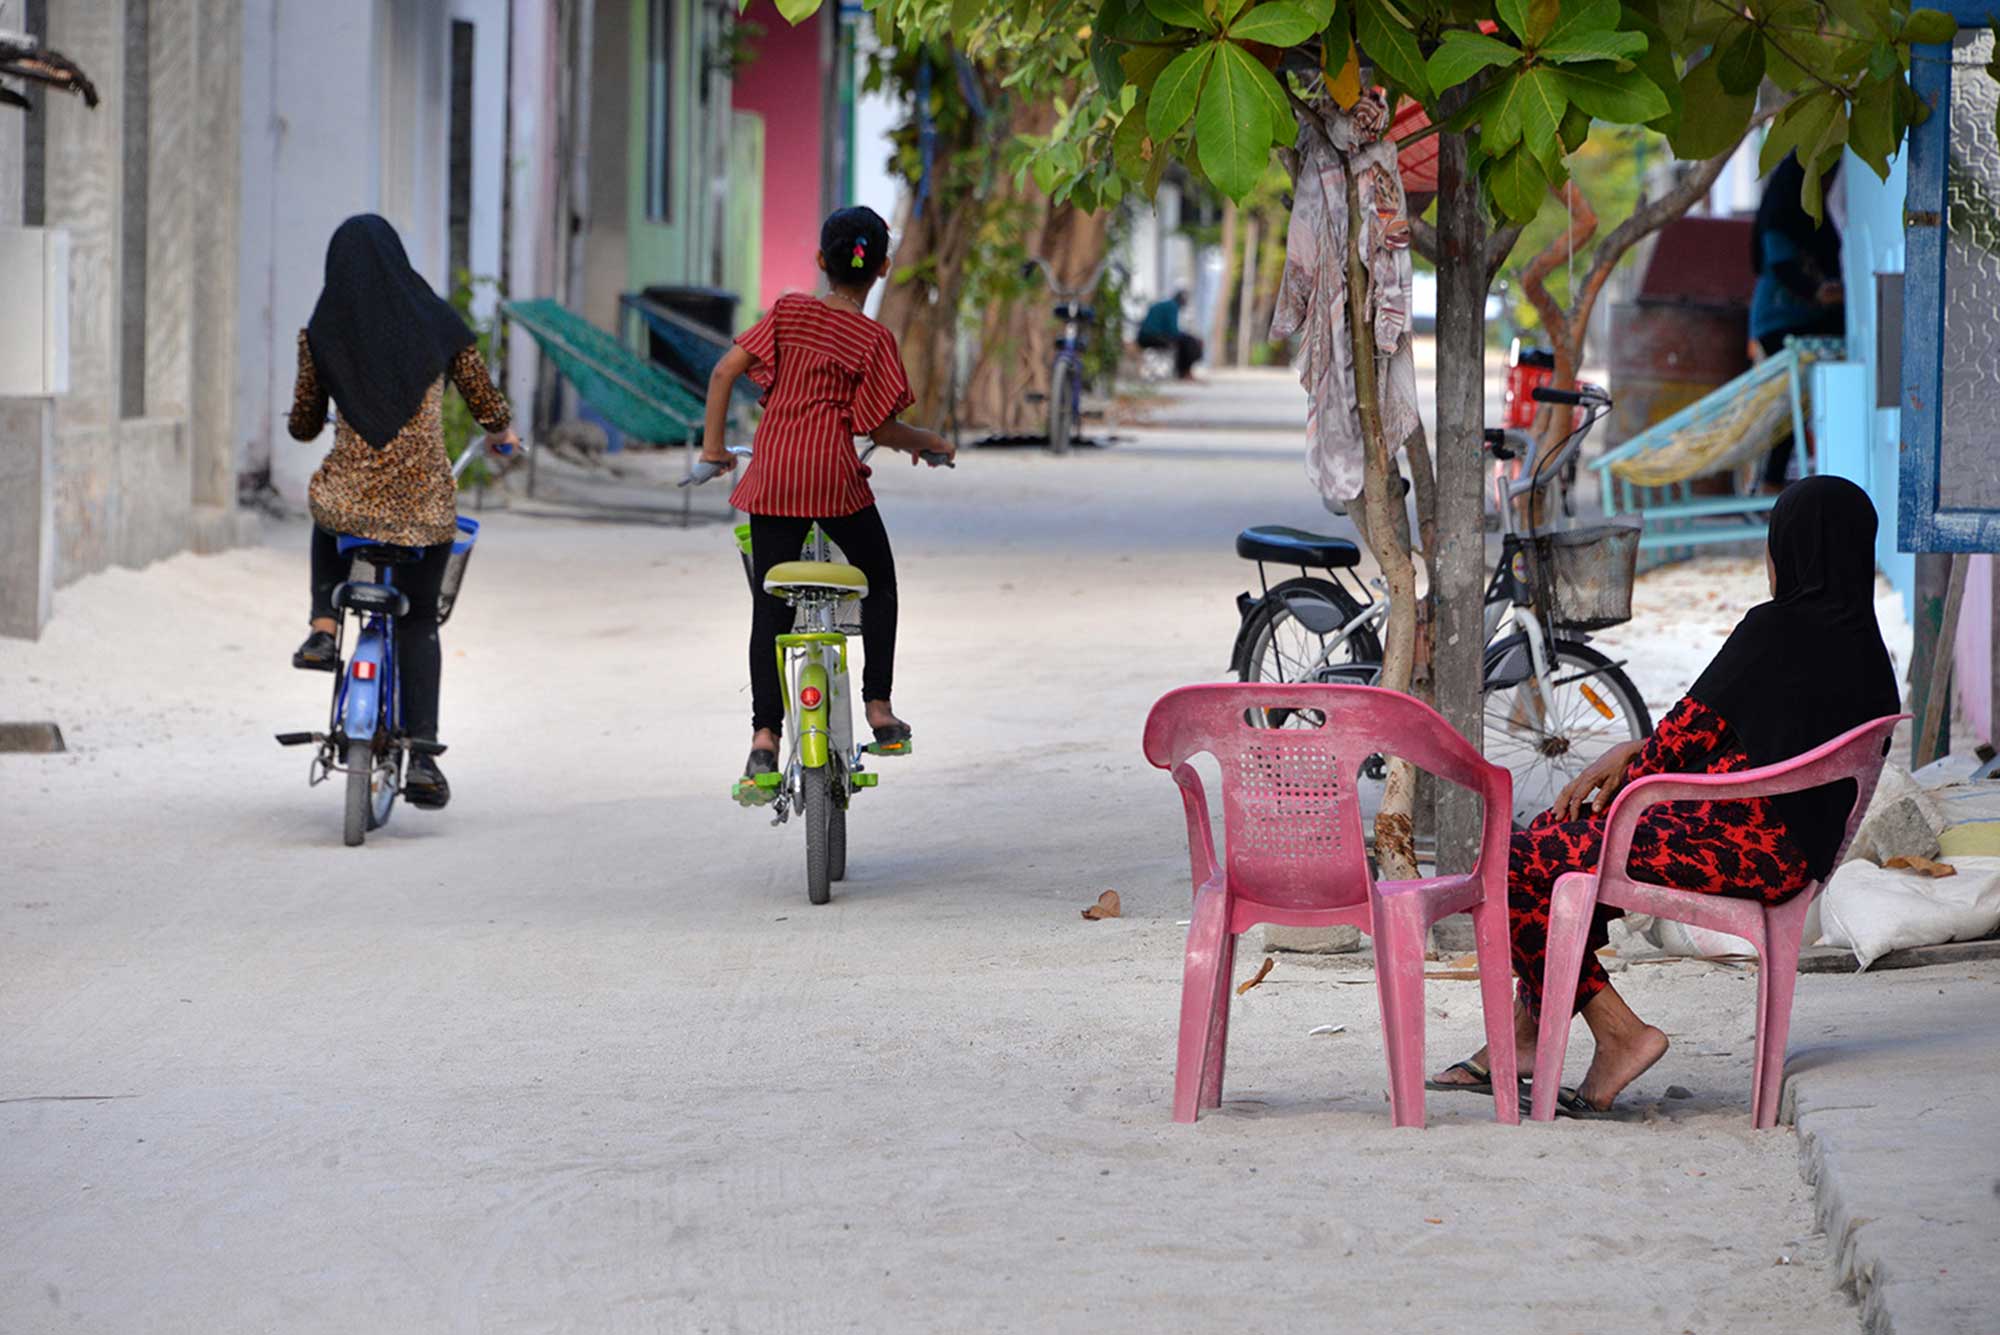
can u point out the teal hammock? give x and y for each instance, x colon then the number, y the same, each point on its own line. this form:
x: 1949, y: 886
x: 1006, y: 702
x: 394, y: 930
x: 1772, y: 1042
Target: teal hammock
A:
x: 644, y: 401
x: 692, y: 350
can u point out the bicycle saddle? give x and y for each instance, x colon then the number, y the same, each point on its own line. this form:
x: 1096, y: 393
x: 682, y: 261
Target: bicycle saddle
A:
x: 377, y: 553
x: 821, y: 576
x: 1296, y: 547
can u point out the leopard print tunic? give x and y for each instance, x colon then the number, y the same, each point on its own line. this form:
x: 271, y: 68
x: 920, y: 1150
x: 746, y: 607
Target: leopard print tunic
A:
x: 402, y: 493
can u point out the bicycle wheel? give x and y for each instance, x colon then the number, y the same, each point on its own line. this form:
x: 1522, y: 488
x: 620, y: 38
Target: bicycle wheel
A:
x: 1594, y: 706
x: 1294, y: 636
x: 360, y: 764
x: 1062, y: 406
x: 382, y: 785
x: 816, y: 806
x: 836, y: 842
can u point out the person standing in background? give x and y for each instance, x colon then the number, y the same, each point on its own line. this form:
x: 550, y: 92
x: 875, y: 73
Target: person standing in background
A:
x: 1798, y: 292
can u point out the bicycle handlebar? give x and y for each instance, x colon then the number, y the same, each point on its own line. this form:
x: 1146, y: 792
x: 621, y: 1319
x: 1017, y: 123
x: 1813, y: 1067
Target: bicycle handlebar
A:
x: 472, y: 453
x: 1055, y: 284
x: 705, y: 471
x: 1536, y: 471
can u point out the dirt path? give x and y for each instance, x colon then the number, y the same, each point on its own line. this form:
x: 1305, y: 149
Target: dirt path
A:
x: 576, y: 1054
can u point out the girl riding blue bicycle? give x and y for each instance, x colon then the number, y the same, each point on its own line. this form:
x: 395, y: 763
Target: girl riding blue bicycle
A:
x: 829, y: 374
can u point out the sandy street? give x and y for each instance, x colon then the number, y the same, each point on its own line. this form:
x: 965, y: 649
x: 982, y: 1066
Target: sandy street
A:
x: 577, y: 1055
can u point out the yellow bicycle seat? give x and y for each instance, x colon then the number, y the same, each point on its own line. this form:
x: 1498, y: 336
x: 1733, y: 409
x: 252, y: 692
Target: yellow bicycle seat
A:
x: 823, y: 576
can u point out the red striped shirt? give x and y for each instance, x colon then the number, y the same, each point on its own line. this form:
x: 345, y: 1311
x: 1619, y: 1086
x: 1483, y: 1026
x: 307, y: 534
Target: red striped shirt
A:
x: 828, y: 375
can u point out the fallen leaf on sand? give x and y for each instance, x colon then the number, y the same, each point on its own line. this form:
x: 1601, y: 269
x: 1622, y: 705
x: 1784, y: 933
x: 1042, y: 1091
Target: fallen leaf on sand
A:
x: 1105, y: 907
x: 1433, y: 1221
x: 1922, y: 866
x: 1455, y: 975
x: 1255, y: 978
x: 1464, y: 962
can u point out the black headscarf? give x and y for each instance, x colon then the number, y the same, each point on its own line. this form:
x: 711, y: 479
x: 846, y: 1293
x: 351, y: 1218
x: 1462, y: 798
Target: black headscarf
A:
x: 380, y: 337
x: 1782, y: 209
x: 1810, y: 664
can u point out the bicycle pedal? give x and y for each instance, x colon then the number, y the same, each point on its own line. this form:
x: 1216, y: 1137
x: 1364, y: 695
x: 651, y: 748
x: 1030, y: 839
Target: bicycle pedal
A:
x: 901, y: 748
x: 865, y: 779
x: 758, y: 791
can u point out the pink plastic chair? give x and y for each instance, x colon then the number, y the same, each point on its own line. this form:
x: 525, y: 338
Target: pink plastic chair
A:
x: 1774, y: 932
x: 1297, y: 857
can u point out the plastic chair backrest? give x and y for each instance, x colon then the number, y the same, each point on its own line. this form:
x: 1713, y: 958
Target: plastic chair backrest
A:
x: 1292, y: 834
x: 1854, y: 756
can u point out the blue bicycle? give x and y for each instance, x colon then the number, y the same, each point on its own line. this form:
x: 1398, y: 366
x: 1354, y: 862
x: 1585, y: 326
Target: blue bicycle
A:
x: 364, y: 739
x: 1065, y: 396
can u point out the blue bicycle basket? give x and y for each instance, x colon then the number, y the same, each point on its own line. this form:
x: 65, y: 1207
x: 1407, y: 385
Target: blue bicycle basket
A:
x: 454, y: 566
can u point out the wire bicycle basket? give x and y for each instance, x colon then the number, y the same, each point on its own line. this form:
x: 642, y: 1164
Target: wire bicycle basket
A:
x: 454, y: 566
x: 1582, y: 577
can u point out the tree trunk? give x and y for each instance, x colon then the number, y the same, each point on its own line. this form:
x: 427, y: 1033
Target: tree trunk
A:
x: 921, y: 308
x: 1218, y: 321
x: 1246, y: 305
x: 1385, y: 532
x: 1017, y: 338
x: 1457, y: 558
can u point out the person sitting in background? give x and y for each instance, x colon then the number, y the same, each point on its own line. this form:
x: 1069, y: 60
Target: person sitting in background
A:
x: 1162, y: 329
x: 1798, y: 292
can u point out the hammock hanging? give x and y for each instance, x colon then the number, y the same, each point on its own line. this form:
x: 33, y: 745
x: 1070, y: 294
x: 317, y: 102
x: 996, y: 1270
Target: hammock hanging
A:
x: 642, y: 400
x: 1732, y: 426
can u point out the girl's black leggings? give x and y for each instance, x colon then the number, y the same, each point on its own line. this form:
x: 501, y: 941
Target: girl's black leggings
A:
x: 775, y: 539
x: 419, y: 661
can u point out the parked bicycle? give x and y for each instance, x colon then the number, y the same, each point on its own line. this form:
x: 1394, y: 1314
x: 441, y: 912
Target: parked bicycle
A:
x: 1066, y: 376
x: 824, y: 768
x: 1552, y: 702
x: 364, y: 737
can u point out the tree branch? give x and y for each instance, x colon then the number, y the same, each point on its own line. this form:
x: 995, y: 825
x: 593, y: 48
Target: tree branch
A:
x: 1424, y: 239
x: 1498, y: 247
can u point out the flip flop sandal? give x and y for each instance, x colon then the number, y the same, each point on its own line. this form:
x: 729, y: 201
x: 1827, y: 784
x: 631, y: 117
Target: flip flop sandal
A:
x: 760, y: 778
x: 1571, y: 1104
x: 892, y: 740
x: 1482, y: 1080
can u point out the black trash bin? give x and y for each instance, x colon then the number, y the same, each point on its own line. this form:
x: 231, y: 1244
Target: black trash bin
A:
x: 712, y: 308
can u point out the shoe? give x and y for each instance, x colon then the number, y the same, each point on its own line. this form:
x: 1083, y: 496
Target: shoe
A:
x: 747, y: 791
x: 318, y: 654
x: 892, y: 739
x: 424, y: 784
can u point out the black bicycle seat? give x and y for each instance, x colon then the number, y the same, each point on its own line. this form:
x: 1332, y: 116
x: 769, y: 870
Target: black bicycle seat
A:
x: 1296, y: 547
x: 1072, y: 311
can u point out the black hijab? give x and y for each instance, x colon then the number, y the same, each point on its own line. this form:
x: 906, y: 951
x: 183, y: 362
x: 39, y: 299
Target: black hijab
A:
x: 1810, y: 664
x: 380, y: 337
x: 1783, y: 210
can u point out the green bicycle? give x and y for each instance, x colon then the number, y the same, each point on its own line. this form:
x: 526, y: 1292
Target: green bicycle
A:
x: 823, y: 768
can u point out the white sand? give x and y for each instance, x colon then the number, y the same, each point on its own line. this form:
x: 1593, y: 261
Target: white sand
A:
x: 576, y: 1054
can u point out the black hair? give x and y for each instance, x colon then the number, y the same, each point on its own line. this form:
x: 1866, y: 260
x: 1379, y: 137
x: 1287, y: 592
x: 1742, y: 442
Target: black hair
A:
x: 853, y: 242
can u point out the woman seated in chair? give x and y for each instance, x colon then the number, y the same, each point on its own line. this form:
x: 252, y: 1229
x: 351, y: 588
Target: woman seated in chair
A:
x: 1797, y: 672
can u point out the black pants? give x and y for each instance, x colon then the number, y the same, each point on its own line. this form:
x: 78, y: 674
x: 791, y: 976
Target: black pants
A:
x: 1187, y: 350
x: 775, y: 539
x: 418, y: 658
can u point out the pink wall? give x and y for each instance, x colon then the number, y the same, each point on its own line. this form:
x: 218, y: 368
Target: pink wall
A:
x: 1973, y: 655
x: 784, y: 85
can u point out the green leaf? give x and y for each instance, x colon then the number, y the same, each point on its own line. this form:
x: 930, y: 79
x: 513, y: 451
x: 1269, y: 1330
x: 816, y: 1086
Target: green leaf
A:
x: 1233, y: 123
x: 1463, y: 54
x: 1174, y: 92
x: 1514, y: 13
x: 1229, y: 9
x: 1517, y: 184
x: 1740, y: 61
x: 1393, y: 49
x: 1131, y: 151
x: 1528, y: 108
x: 1575, y: 128
x: 1181, y: 14
x: 1871, y: 130
x: 1929, y: 27
x: 1320, y: 10
x: 796, y: 11
x: 1798, y: 129
x: 1589, y: 31
x: 1274, y: 23
x: 1713, y: 120
x: 1870, y: 17
x: 1659, y: 65
x: 1277, y: 107
x: 1675, y: 17
x: 1621, y: 97
x: 1143, y: 64
x: 1104, y: 60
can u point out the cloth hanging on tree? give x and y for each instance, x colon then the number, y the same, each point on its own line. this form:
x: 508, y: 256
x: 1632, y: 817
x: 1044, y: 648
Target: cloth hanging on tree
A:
x: 1313, y: 296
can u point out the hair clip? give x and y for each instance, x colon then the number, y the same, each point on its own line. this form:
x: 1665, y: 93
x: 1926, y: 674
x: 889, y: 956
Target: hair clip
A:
x: 860, y: 254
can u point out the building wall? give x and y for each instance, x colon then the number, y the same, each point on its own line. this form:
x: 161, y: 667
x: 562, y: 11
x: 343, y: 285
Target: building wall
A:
x: 785, y: 84
x: 146, y: 187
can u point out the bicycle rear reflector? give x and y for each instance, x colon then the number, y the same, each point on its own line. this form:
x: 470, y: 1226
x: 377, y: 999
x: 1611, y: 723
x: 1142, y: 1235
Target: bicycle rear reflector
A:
x: 364, y: 671
x: 810, y: 697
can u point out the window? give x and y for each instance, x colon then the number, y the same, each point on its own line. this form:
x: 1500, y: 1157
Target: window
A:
x: 659, y: 110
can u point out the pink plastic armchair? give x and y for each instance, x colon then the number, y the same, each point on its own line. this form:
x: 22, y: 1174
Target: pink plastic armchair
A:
x: 1297, y: 857
x: 1774, y: 932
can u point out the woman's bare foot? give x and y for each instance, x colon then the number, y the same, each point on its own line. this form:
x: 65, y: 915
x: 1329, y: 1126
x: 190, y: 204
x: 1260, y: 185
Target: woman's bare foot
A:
x: 763, y: 740
x: 1524, y: 1053
x: 1627, y: 1047
x: 881, y: 716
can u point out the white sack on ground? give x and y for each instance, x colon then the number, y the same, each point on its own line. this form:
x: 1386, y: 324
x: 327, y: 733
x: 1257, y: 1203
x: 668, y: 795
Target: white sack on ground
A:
x: 1872, y: 911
